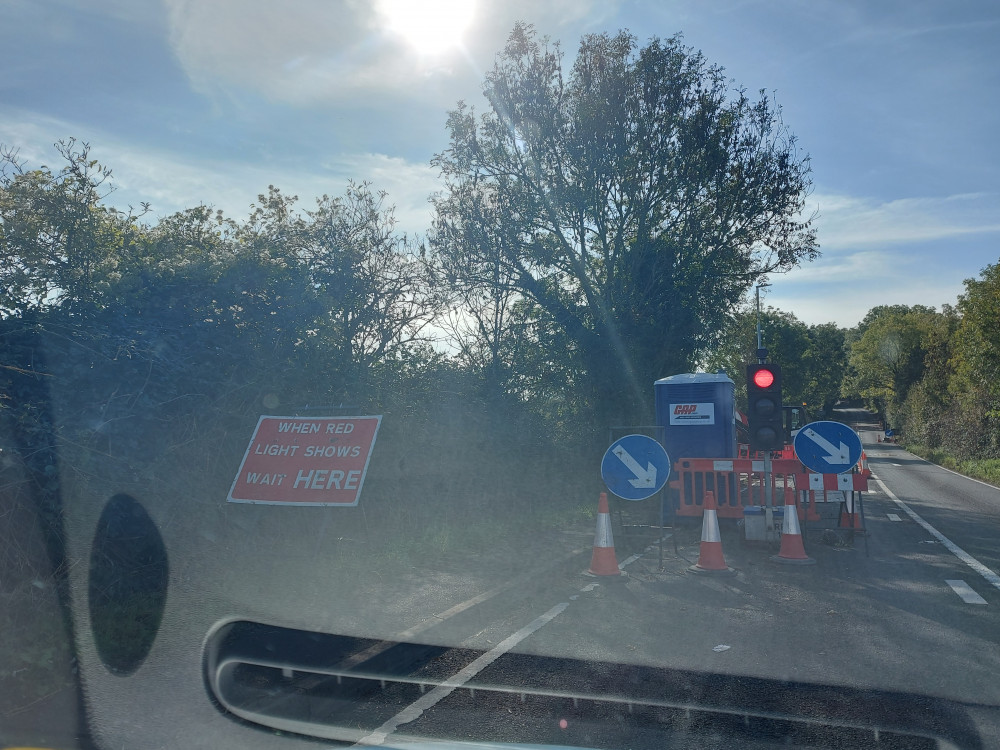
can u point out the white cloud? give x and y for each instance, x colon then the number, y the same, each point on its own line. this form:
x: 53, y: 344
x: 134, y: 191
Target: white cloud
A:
x: 408, y: 184
x: 907, y: 251
x: 171, y: 182
x: 847, y: 305
x: 848, y: 222
x: 318, y: 53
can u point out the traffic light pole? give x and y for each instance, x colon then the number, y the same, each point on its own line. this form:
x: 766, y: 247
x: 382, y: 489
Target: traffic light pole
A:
x: 768, y: 497
x: 761, y: 352
x: 768, y: 489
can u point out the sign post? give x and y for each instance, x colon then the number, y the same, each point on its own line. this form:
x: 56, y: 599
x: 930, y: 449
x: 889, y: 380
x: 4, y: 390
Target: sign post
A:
x: 306, y: 461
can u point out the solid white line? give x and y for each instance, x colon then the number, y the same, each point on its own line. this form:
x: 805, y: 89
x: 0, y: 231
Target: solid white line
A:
x: 446, y: 688
x: 965, y: 591
x: 957, y: 551
x: 893, y: 517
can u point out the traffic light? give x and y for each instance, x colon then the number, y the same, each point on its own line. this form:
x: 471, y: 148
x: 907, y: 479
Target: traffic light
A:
x: 764, y: 415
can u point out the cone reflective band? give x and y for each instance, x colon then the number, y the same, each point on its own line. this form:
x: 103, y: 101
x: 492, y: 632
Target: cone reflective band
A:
x: 764, y: 414
x: 792, y: 551
x: 710, y: 557
x: 603, y: 561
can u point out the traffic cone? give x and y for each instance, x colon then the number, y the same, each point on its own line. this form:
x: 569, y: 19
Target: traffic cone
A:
x: 849, y: 517
x: 603, y: 562
x: 710, y: 558
x: 792, y: 552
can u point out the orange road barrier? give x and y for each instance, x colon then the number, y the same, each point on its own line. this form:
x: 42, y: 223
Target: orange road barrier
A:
x: 807, y: 512
x: 735, y: 482
x: 792, y: 552
x: 850, y: 517
x: 710, y: 558
x: 603, y: 562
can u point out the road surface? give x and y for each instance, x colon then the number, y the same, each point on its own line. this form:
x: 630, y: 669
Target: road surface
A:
x: 897, y: 627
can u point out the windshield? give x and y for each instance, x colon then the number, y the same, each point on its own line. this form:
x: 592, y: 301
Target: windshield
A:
x: 565, y: 373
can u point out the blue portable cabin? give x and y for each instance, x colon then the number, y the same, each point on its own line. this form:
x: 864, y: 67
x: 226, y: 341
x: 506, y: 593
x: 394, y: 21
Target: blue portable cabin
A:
x: 697, y: 412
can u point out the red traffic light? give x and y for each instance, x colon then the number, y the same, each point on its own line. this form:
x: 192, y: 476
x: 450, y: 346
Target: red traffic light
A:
x: 763, y: 378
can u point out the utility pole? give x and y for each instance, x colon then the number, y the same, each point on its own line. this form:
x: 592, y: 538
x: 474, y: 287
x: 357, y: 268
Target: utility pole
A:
x: 761, y: 351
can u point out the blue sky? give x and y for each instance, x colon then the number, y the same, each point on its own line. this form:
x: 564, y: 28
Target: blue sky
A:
x: 210, y: 101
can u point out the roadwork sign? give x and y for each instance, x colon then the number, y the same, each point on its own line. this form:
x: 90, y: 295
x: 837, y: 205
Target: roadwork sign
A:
x: 306, y: 461
x: 635, y: 467
x: 827, y: 447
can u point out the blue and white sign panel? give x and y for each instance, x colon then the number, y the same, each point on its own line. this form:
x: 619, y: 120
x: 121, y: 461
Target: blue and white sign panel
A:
x: 827, y: 447
x: 635, y: 467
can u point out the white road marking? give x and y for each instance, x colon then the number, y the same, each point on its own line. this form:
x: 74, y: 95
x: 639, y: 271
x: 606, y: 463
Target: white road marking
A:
x: 893, y: 517
x: 629, y: 560
x: 965, y: 591
x: 446, y: 688
x: 961, y: 554
x: 432, y: 698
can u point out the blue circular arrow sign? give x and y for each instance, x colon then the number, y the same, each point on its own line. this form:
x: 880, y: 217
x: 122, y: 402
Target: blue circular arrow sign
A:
x: 635, y: 467
x: 827, y: 447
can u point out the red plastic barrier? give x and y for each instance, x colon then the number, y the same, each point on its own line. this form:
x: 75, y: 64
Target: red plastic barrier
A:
x: 739, y: 482
x: 736, y: 482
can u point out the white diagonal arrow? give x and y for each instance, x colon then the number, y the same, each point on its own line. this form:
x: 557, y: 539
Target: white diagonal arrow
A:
x: 644, y: 477
x: 834, y: 455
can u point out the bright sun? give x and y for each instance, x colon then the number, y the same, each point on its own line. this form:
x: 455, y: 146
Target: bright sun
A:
x: 430, y: 26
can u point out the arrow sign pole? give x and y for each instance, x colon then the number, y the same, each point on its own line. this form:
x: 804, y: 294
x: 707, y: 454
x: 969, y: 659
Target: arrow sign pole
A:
x: 643, y: 477
x: 835, y: 455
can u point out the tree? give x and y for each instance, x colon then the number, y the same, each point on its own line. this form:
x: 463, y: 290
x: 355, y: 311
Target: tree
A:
x: 889, y: 355
x: 812, y: 357
x: 373, y: 283
x: 977, y: 350
x: 58, y: 243
x: 634, y: 202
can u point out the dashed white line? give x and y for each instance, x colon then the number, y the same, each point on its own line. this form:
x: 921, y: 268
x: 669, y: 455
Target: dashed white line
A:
x: 965, y: 591
x: 893, y: 517
x: 961, y: 554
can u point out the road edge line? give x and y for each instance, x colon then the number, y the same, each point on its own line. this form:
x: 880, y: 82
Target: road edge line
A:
x: 991, y: 577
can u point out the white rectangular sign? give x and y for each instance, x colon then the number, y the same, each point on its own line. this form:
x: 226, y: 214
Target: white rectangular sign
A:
x: 692, y: 413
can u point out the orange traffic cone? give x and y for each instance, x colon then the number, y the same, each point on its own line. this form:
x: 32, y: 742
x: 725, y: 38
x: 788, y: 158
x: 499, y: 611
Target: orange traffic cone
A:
x: 710, y: 558
x: 792, y: 552
x: 603, y: 562
x: 849, y: 517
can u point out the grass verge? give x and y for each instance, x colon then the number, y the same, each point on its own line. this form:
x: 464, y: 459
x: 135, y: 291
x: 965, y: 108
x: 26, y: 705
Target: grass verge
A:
x: 985, y: 469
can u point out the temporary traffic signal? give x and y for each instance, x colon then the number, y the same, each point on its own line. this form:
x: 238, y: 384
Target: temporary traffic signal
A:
x: 764, y: 415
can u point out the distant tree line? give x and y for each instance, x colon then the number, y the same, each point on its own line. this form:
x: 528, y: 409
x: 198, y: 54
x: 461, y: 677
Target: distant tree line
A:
x: 934, y: 376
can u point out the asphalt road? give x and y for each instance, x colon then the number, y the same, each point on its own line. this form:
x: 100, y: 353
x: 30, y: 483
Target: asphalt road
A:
x: 911, y: 610
x: 899, y: 628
